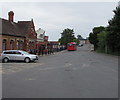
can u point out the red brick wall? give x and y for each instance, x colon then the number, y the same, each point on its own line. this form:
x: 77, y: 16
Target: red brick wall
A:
x: 31, y: 36
x: 8, y: 38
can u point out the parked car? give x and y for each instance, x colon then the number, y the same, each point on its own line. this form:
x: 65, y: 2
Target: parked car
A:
x: 79, y: 45
x: 18, y: 55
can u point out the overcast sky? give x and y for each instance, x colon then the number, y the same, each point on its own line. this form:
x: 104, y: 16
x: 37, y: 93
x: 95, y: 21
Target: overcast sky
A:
x: 55, y: 17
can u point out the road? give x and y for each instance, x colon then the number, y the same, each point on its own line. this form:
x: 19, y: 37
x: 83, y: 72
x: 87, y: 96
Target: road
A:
x: 67, y: 74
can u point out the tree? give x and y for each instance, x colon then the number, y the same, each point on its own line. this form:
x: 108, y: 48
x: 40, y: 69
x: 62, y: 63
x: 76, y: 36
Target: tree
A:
x: 113, y: 36
x: 93, y: 35
x: 79, y: 37
x: 67, y: 36
x: 76, y: 40
x: 102, y: 41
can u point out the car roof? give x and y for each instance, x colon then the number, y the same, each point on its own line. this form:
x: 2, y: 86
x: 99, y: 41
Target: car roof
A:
x: 11, y: 50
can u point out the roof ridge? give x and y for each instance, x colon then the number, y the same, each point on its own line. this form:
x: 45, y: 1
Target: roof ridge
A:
x: 7, y: 20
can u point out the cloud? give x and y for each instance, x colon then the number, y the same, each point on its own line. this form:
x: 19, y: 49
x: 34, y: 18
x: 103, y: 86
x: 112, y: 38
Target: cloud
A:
x: 53, y: 17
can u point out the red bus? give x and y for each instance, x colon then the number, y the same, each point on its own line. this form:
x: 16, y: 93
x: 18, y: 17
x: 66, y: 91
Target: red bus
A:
x: 71, y: 46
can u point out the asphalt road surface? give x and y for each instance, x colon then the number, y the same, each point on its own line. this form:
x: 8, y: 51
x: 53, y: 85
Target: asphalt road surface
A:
x: 67, y: 74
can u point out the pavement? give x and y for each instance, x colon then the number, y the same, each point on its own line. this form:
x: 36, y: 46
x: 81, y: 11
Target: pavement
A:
x: 67, y: 74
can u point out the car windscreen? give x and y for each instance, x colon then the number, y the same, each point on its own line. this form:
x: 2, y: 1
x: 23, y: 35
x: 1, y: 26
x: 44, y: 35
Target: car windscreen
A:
x: 70, y: 44
x: 23, y: 52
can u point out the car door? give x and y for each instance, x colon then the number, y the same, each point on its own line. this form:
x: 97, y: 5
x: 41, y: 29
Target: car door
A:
x: 19, y: 56
x: 14, y: 55
x: 11, y: 55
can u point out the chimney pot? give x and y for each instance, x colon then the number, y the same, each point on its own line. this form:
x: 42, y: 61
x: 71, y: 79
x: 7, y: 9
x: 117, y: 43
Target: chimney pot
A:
x: 11, y: 15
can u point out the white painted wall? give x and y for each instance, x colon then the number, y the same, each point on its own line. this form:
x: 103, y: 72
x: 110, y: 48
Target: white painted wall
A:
x: 40, y: 34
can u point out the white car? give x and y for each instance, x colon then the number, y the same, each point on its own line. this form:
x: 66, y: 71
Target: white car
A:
x: 18, y: 55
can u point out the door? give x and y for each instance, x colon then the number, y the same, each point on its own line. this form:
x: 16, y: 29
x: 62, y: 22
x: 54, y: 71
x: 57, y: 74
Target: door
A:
x: 19, y: 56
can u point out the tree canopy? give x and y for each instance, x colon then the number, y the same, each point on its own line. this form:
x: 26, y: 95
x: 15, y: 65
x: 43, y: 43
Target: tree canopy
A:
x: 113, y: 36
x: 108, y: 38
x: 67, y: 36
x: 93, y: 35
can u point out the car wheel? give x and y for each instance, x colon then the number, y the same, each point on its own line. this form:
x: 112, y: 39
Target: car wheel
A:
x: 5, y: 60
x: 27, y: 60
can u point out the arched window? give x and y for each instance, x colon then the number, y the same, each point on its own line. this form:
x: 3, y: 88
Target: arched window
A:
x: 17, y: 45
x: 11, y: 45
x: 4, y: 44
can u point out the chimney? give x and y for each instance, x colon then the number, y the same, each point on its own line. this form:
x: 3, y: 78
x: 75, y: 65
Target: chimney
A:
x: 11, y: 14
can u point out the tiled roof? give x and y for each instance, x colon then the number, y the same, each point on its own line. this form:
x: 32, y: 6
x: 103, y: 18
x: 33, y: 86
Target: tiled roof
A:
x: 24, y: 26
x: 13, y: 28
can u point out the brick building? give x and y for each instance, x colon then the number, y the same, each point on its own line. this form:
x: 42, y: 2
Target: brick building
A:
x: 42, y: 41
x: 17, y: 36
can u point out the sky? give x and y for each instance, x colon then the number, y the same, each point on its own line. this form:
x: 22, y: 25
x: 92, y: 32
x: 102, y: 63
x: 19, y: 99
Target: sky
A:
x: 54, y: 17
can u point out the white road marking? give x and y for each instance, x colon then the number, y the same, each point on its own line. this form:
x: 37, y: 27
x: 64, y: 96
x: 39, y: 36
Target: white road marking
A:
x: 85, y: 65
x: 51, y: 68
x: 30, y: 79
x: 68, y: 64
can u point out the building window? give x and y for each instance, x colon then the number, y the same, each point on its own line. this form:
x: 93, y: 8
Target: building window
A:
x: 21, y: 45
x: 4, y: 44
x: 11, y: 45
x: 17, y: 45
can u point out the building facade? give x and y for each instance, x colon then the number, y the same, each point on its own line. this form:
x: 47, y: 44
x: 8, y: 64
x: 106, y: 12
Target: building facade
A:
x: 42, y: 42
x: 40, y: 35
x: 17, y: 36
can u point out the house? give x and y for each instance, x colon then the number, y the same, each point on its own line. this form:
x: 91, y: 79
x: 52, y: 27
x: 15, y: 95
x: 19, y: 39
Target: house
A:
x: 19, y: 35
x: 40, y: 35
x: 81, y: 39
x: 87, y: 41
x: 42, y: 41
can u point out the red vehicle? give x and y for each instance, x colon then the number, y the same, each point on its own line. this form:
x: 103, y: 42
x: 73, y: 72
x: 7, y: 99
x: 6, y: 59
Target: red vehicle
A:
x: 71, y: 46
